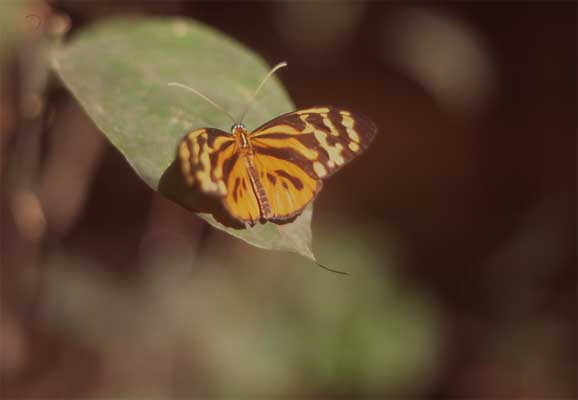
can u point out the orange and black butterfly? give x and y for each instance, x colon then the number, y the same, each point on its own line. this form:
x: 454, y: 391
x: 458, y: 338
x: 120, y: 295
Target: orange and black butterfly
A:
x: 273, y: 172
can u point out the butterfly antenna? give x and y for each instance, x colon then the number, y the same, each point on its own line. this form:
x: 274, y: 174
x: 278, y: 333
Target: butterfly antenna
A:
x: 331, y: 269
x: 218, y: 107
x: 252, y: 100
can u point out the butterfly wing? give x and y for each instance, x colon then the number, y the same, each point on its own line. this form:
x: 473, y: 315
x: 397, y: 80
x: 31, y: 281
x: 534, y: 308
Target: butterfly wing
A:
x: 210, y: 159
x: 320, y: 139
x: 286, y: 184
x: 241, y: 200
x: 206, y: 156
x: 295, y: 151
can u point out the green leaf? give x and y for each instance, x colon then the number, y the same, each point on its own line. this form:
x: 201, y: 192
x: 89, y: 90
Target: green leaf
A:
x: 119, y: 69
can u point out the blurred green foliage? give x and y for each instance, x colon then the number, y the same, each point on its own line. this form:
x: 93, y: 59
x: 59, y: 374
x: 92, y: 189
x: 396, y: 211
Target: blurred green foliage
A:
x: 259, y: 324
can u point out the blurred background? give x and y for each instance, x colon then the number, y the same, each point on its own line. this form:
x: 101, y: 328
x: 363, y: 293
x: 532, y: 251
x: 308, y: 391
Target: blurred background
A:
x: 458, y: 225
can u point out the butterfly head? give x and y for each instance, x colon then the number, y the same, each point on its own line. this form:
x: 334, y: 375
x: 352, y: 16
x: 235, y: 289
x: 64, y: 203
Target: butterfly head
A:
x: 240, y: 133
x: 238, y: 128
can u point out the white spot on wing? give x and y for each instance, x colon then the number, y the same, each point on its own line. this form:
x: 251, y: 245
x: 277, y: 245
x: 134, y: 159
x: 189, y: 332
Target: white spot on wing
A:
x: 327, y: 122
x: 347, y: 122
x: 222, y: 187
x: 353, y: 147
x: 319, y: 169
x: 333, y: 151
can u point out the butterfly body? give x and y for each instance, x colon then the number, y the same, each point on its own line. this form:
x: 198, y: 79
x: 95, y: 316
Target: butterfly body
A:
x: 275, y: 171
x: 247, y: 154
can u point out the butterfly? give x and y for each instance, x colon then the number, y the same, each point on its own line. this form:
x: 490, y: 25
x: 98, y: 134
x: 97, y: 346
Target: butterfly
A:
x: 273, y: 172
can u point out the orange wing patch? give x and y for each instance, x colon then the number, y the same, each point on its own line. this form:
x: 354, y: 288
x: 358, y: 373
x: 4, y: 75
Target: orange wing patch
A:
x: 287, y: 186
x: 241, y: 199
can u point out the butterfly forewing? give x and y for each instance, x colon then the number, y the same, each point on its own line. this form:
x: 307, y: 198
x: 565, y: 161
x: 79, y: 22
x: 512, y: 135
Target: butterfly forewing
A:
x: 288, y: 187
x: 320, y: 140
x: 211, y: 161
x: 206, y: 156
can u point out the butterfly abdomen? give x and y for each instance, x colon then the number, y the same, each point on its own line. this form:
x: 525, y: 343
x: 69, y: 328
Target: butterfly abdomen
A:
x: 264, y: 205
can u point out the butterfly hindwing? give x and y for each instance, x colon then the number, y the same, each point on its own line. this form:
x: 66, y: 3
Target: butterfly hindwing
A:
x: 320, y: 140
x: 287, y: 186
x: 241, y: 199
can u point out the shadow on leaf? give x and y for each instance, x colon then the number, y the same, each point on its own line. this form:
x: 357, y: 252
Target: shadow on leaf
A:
x: 173, y: 186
